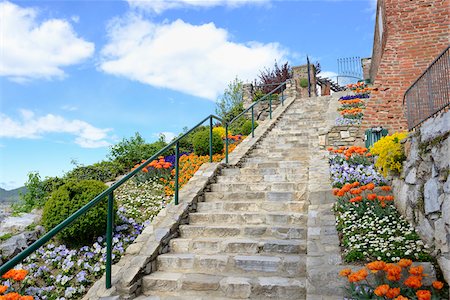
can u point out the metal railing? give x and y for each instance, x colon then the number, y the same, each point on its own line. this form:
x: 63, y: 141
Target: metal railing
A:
x: 109, y: 192
x: 430, y: 93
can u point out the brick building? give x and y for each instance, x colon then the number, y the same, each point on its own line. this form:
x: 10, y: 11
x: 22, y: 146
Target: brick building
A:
x: 409, y: 35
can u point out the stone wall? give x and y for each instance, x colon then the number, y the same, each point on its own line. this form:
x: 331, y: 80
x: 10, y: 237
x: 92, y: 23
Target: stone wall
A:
x: 408, y: 36
x: 344, y: 136
x: 422, y: 191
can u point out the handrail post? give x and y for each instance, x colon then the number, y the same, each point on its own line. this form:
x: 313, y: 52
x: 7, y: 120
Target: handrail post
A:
x: 226, y: 143
x: 109, y: 229
x: 253, y: 123
x: 177, y: 170
x: 270, y: 107
x: 282, y: 97
x: 210, y: 139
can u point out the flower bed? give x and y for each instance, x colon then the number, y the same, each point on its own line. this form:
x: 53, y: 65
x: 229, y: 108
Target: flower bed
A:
x: 352, y: 109
x: 369, y: 225
x: 400, y: 281
x: 58, y: 272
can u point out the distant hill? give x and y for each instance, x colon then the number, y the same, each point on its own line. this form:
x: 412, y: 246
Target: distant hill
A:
x: 12, y: 195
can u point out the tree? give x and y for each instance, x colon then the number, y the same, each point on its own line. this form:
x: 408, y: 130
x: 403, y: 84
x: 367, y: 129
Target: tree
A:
x: 269, y: 79
x: 231, y: 103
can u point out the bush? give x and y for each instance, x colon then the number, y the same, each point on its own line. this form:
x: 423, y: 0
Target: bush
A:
x: 102, y: 171
x: 201, y: 142
x: 303, y: 82
x: 230, y: 104
x: 130, y: 151
x: 246, y: 128
x: 390, y: 153
x: 34, y: 195
x: 220, y: 131
x: 66, y: 200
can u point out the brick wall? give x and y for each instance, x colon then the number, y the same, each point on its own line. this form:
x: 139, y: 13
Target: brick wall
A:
x: 408, y: 36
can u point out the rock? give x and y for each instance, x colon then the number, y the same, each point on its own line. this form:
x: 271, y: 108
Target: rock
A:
x: 424, y: 169
x: 425, y: 230
x: 447, y: 186
x: 444, y: 263
x: 446, y: 208
x: 441, y: 154
x: 440, y: 236
x: 20, y: 223
x: 411, y: 176
x: 14, y: 245
x: 435, y: 127
x: 431, y: 196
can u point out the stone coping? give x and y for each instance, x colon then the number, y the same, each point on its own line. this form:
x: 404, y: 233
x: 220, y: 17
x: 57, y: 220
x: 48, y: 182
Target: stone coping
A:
x: 140, y: 257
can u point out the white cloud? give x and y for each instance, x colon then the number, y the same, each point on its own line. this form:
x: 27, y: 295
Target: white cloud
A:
x: 69, y: 107
x: 158, y: 6
x: 328, y: 74
x: 31, y: 126
x: 30, y: 49
x: 195, y: 59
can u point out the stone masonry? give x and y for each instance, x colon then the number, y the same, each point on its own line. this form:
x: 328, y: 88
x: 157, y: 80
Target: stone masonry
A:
x: 423, y: 189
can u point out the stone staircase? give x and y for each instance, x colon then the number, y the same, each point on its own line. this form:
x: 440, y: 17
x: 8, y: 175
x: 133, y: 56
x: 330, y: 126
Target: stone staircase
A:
x: 248, y: 239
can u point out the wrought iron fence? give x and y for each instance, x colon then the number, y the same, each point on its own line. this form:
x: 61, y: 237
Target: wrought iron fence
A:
x: 430, y: 93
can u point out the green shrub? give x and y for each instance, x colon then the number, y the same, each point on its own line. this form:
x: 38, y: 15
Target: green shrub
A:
x: 129, y: 152
x: 246, y: 128
x: 201, y: 142
x: 66, y: 200
x: 303, y: 82
x: 102, y: 171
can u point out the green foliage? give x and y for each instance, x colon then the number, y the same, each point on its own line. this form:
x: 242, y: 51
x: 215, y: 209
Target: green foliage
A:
x: 66, y: 200
x: 390, y: 153
x: 34, y: 197
x: 354, y: 255
x: 201, y: 142
x: 303, y: 82
x: 230, y: 104
x: 6, y: 236
x: 186, y: 144
x: 130, y: 151
x: 102, y: 171
x: 246, y: 127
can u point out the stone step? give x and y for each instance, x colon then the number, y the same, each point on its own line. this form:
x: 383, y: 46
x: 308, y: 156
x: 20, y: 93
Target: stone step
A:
x: 264, y: 171
x: 234, y: 245
x: 293, y: 164
x: 301, y: 178
x: 248, y: 218
x: 253, y: 187
x: 252, y: 231
x: 286, y: 265
x: 252, y: 206
x: 263, y: 196
x: 269, y: 157
x: 195, y: 286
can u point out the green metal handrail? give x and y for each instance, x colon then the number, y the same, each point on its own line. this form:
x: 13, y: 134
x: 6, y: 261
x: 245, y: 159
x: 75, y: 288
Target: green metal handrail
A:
x: 109, y: 192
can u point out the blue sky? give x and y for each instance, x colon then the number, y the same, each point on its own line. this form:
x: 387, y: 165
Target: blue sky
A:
x: 78, y: 76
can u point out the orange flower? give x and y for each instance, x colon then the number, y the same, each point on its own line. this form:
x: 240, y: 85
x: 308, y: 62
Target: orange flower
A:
x: 12, y: 296
x: 401, y: 298
x: 330, y: 149
x: 438, y: 285
x: 369, y: 154
x: 145, y: 170
x: 3, y: 289
x: 355, y: 184
x: 345, y: 272
x: 414, y: 282
x: 355, y: 191
x: 335, y: 191
x: 393, y: 272
x: 423, y: 295
x: 370, y: 186
x: 416, y: 270
x: 355, y: 199
x: 376, y: 266
x: 404, y: 262
x: 371, y: 197
x: 386, y: 188
x: 20, y: 275
x: 381, y: 290
x: 9, y: 274
x: 26, y: 298
x: 389, y: 198
x: 392, y: 293
x: 381, y: 198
